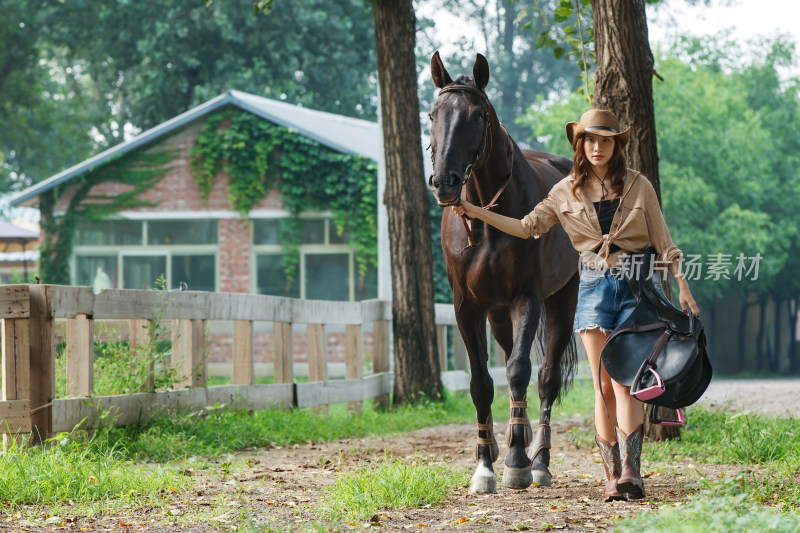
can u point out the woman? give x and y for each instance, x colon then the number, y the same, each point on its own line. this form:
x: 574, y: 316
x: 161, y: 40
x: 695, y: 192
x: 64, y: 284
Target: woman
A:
x: 606, y: 210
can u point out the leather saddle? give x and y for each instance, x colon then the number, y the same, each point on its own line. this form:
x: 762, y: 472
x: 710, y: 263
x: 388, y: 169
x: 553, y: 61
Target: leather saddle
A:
x: 658, y: 351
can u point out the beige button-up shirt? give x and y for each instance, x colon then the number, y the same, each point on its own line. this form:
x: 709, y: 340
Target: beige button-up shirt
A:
x: 637, y: 222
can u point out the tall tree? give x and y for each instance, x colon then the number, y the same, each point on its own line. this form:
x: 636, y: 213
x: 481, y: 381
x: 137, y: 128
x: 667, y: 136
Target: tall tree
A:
x: 623, y: 83
x: 416, y: 362
x: 158, y: 58
x: 45, y: 118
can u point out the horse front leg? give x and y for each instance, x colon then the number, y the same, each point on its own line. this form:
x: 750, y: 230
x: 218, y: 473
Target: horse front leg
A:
x: 560, y: 312
x: 481, y: 387
x: 524, y: 320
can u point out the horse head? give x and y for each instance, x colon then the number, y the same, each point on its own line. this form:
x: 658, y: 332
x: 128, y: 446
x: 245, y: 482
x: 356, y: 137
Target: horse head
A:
x: 460, y: 128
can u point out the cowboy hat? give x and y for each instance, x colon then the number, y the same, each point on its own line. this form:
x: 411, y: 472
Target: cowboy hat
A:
x: 597, y: 122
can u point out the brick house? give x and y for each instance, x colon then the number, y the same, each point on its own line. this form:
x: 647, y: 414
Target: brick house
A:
x: 205, y: 244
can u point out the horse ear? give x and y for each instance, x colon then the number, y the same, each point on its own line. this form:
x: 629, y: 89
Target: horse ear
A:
x: 438, y: 72
x: 480, y: 72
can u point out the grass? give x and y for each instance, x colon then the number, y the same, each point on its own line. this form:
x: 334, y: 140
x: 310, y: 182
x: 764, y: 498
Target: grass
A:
x: 218, y: 431
x: 710, y: 514
x: 742, y: 438
x: 394, y: 484
x: 66, y: 471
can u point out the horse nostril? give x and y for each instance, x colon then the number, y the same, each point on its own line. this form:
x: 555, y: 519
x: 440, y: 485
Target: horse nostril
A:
x: 455, y: 177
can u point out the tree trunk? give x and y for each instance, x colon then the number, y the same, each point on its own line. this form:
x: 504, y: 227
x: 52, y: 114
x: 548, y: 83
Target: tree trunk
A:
x: 761, y: 353
x: 742, y: 331
x: 416, y: 369
x: 775, y: 353
x: 623, y: 83
x: 794, y: 364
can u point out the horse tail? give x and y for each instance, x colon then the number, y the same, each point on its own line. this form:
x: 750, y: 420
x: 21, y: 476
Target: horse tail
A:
x: 569, y: 359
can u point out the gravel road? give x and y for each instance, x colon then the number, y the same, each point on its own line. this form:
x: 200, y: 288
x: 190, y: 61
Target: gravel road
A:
x: 780, y: 397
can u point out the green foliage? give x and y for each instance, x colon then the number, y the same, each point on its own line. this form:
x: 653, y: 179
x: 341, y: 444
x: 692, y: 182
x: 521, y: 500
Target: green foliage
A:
x: 258, y: 155
x: 728, y: 172
x: 65, y: 470
x: 138, y: 170
x: 164, y: 56
x: 45, y: 116
x: 121, y: 369
x: 567, y: 31
x: 390, y: 485
x: 719, y: 514
x: 741, y: 438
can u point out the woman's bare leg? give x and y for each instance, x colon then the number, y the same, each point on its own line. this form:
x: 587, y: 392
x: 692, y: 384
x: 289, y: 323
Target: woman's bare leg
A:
x: 593, y: 341
x: 629, y: 410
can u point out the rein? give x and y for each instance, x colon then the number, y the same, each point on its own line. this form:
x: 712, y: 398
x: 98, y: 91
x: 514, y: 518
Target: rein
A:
x: 478, y: 161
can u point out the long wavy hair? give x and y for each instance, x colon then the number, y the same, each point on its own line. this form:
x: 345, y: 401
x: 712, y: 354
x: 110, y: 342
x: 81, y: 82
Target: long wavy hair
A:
x: 581, y: 167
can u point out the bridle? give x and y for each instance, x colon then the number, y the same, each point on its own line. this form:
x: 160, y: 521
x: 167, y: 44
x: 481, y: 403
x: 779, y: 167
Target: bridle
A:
x: 479, y: 159
x: 485, y: 141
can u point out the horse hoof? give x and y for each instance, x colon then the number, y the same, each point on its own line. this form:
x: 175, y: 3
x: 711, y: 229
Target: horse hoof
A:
x: 483, y: 481
x: 541, y: 477
x: 517, y: 478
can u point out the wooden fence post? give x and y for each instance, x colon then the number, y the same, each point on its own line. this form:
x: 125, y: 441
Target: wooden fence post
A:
x: 243, y: 368
x: 459, y: 351
x: 380, y: 356
x: 354, y: 359
x: 42, y: 363
x: 16, y: 378
x: 188, y: 352
x: 283, y: 352
x: 441, y: 346
x: 80, y: 356
x: 317, y: 359
x: 139, y: 346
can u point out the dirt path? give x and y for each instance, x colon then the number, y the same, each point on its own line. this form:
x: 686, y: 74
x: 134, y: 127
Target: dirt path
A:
x: 278, y: 486
x: 573, y: 503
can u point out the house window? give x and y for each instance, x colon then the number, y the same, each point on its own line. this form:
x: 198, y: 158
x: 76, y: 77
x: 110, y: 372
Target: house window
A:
x: 326, y: 270
x: 182, y: 232
x: 113, y: 254
x: 109, y: 233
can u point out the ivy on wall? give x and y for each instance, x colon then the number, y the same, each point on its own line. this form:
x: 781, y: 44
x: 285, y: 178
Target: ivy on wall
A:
x: 139, y: 170
x: 258, y: 155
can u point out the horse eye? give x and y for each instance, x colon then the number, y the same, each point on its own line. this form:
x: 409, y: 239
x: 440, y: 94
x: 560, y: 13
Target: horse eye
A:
x: 478, y: 118
x: 430, y: 116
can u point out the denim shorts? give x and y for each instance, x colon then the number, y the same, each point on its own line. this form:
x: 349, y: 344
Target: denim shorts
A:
x: 604, y: 301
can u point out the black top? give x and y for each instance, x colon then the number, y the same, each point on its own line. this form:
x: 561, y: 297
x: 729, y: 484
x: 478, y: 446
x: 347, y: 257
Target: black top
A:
x: 605, y: 214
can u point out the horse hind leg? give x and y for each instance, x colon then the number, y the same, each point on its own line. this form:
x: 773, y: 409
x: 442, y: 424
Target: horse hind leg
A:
x: 560, y: 315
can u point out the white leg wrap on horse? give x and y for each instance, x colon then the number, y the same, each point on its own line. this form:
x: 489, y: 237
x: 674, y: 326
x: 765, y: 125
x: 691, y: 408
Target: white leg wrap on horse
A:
x: 483, y: 481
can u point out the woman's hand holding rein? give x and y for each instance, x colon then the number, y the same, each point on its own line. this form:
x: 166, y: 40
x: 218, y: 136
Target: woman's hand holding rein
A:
x: 512, y: 226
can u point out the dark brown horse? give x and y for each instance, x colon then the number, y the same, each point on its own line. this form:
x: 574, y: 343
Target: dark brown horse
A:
x: 508, y: 279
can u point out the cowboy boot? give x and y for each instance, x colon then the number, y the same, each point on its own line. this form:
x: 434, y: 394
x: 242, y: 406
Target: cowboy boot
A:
x: 611, y: 462
x: 630, y: 480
